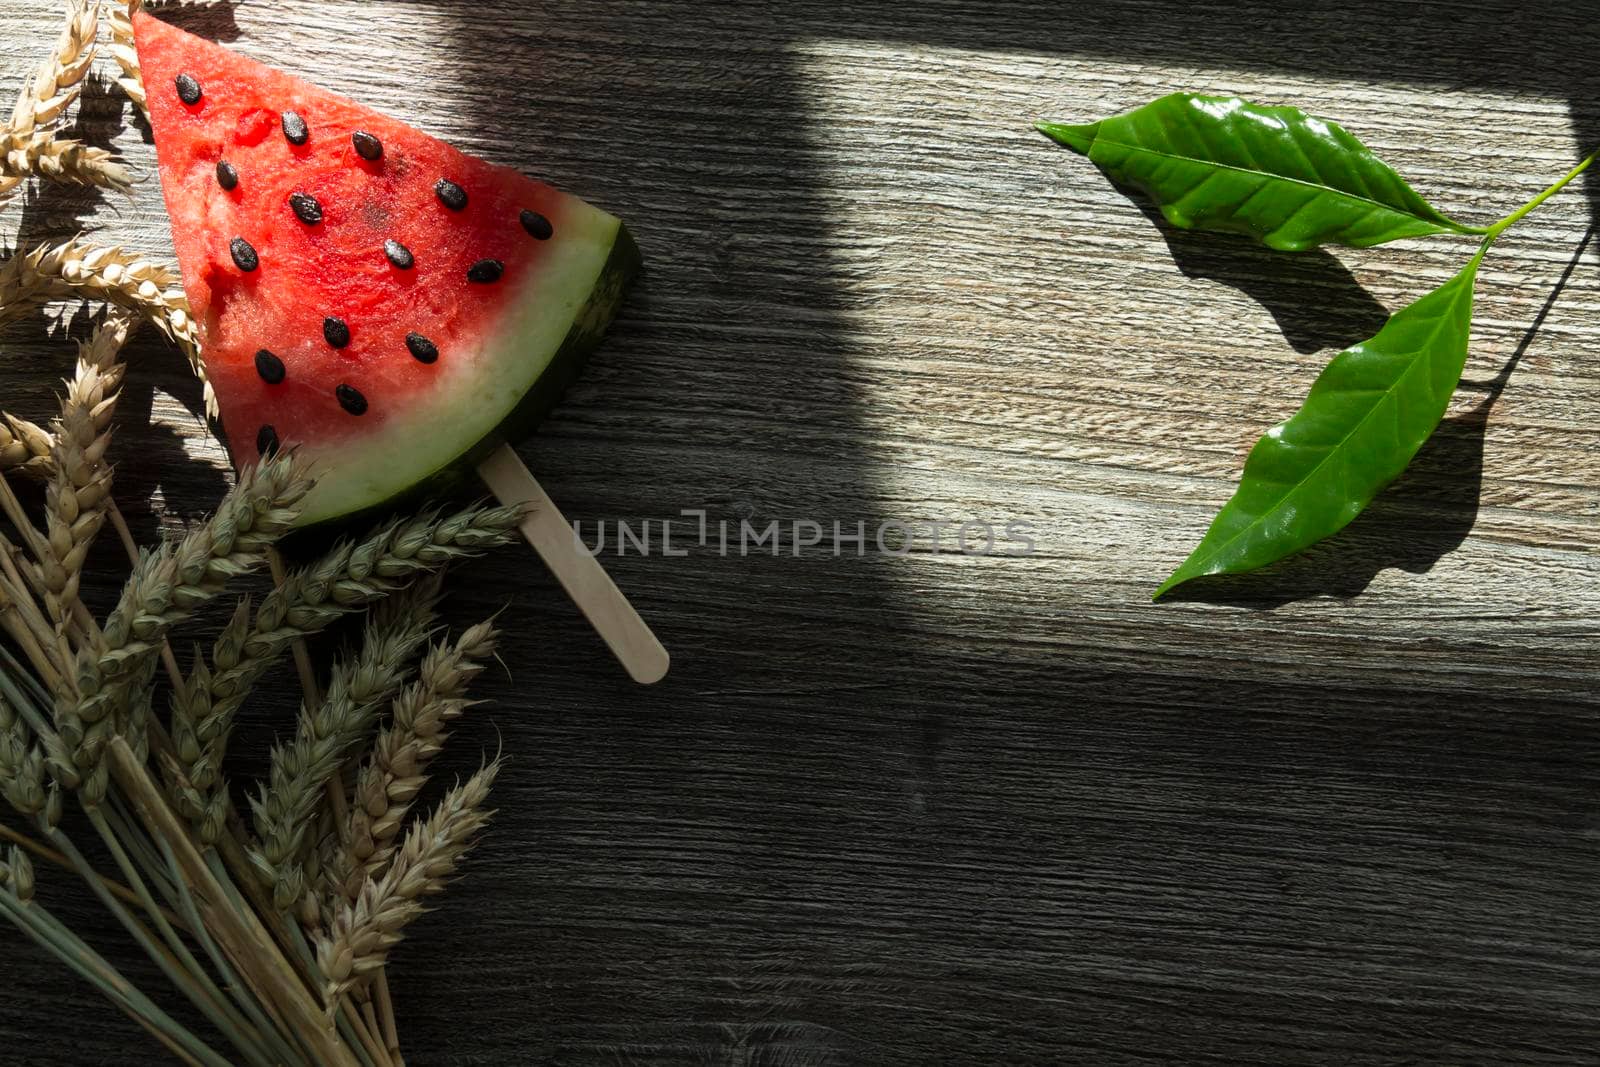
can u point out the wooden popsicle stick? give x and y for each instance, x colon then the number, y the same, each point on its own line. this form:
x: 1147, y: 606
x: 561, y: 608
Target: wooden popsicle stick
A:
x: 579, y: 573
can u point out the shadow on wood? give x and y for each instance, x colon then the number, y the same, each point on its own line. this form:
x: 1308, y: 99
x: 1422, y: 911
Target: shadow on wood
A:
x: 1313, y: 298
x: 852, y: 829
x: 1423, y: 516
x: 211, y: 19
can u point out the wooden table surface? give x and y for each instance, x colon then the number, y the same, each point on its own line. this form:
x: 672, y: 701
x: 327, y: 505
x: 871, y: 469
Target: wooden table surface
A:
x: 941, y: 808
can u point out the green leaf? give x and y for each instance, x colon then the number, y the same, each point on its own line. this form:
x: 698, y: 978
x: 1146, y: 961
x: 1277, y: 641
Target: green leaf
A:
x: 1284, y: 177
x: 1370, y: 410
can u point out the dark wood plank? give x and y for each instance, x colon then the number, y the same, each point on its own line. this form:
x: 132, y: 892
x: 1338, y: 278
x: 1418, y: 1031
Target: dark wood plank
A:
x: 949, y: 808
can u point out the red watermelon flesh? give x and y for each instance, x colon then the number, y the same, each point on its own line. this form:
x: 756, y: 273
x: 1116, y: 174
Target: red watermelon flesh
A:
x: 390, y: 306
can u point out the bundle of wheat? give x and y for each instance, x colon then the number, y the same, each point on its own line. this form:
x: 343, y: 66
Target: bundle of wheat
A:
x: 276, y: 934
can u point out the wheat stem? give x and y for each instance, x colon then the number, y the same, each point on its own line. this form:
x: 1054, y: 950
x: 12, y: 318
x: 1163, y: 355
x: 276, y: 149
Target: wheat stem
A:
x: 242, y: 894
x: 365, y: 1029
x: 328, y: 731
x: 50, y: 855
x: 396, y: 770
x: 237, y: 929
x: 364, y: 931
x: 127, y: 56
x: 348, y: 1019
x: 139, y: 845
x: 22, y: 576
x: 202, y: 992
x: 31, y: 537
x: 391, y: 1030
x: 76, y: 268
x: 353, y: 576
x: 26, y: 624
x: 79, y: 490
x: 56, y: 81
x: 267, y: 1027
x: 51, y: 935
x: 187, y: 982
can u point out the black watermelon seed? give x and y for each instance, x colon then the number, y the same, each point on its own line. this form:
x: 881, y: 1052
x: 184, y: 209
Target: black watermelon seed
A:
x: 368, y: 147
x: 188, y: 88
x: 425, y: 350
x: 450, y: 194
x: 227, y: 177
x: 398, y: 254
x: 294, y: 127
x: 266, y: 441
x: 244, y: 255
x: 336, y: 331
x: 351, y: 400
x: 486, y: 270
x: 537, y: 225
x: 305, y: 205
x: 270, y: 367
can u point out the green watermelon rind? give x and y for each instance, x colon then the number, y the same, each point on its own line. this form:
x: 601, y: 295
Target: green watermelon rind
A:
x: 616, y: 276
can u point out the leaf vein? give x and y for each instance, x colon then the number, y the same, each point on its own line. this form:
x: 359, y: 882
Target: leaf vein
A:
x: 1378, y: 205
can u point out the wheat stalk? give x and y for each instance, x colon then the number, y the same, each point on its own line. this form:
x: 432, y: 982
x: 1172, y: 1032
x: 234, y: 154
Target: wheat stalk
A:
x: 16, y: 875
x: 22, y: 776
x: 28, y: 448
x: 363, y: 931
x: 102, y: 682
x: 76, y: 268
x: 356, y: 574
x: 171, y: 582
x: 350, y: 577
x: 166, y: 586
x: 78, y: 494
x: 301, y: 768
x: 127, y: 57
x: 29, y: 144
x: 395, y: 772
x: 56, y: 81
x: 191, y: 775
x: 46, y: 155
x: 25, y: 447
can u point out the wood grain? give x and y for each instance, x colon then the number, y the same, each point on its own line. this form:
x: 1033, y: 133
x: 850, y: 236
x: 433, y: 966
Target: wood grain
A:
x: 950, y: 808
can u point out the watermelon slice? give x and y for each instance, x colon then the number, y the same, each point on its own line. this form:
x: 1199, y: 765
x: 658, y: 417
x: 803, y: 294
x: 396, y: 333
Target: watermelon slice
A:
x: 392, y: 307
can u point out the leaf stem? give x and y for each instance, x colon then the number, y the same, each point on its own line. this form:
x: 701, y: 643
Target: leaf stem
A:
x: 1500, y: 227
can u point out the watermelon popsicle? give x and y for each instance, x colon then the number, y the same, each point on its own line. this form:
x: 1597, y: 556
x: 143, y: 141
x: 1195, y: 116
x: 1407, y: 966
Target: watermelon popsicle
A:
x: 396, y: 310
